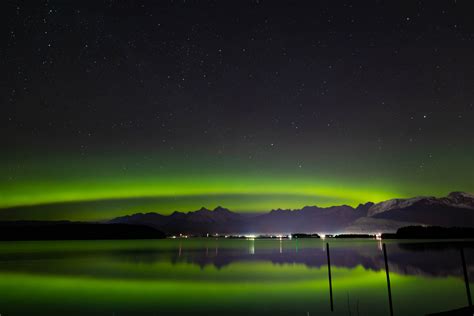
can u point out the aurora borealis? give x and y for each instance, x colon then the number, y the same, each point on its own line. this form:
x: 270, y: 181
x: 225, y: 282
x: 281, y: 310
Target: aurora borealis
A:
x: 113, y: 108
x: 144, y: 187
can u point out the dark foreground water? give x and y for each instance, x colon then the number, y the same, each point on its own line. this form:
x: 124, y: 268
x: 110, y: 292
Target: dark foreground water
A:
x: 229, y: 277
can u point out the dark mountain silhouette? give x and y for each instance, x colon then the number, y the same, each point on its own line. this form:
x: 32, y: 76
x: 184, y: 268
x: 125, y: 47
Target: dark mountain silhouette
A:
x: 202, y: 221
x: 457, y: 209
x: 307, y: 219
x: 432, y: 232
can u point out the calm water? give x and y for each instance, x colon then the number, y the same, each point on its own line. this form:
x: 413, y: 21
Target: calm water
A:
x: 228, y: 277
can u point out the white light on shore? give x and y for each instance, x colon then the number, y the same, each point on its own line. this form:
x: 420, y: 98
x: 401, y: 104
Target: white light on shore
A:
x: 250, y: 237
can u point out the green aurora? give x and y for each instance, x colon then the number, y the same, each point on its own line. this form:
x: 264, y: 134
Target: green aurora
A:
x: 103, y: 186
x: 252, y: 116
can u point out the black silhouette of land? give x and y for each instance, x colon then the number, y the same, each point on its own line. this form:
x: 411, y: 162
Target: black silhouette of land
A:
x: 24, y: 230
x: 65, y: 230
x: 431, y: 232
x: 354, y: 236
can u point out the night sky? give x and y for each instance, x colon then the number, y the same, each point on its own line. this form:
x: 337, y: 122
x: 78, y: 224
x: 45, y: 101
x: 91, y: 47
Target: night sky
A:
x: 117, y: 107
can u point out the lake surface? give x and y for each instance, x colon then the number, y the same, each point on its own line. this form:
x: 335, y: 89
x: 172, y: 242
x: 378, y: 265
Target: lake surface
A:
x: 229, y: 277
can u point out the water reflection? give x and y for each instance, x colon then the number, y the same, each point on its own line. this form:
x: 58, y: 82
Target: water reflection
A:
x: 407, y: 258
x: 218, y: 276
x: 412, y: 258
x: 251, y: 247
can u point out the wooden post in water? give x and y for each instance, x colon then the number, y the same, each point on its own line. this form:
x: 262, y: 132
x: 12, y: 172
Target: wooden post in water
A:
x: 330, y: 279
x: 466, y: 279
x: 388, y: 280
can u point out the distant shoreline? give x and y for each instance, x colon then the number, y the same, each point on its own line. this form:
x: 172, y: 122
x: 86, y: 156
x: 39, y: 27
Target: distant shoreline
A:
x: 37, y: 230
x: 22, y: 231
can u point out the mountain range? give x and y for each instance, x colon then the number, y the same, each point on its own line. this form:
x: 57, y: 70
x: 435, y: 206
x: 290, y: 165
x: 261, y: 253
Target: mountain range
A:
x: 456, y: 209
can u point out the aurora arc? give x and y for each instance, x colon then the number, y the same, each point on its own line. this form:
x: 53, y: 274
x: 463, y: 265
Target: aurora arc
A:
x: 110, y: 186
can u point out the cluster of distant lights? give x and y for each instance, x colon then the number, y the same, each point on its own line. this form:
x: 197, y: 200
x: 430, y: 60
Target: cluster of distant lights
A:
x: 253, y: 237
x: 378, y: 236
x: 248, y: 237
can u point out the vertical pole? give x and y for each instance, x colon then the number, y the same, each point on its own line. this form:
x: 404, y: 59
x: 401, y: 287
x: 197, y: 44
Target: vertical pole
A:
x: 388, y: 280
x: 466, y: 279
x: 330, y: 279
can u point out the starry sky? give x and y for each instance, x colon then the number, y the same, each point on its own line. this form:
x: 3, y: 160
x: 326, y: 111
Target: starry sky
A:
x: 114, y: 107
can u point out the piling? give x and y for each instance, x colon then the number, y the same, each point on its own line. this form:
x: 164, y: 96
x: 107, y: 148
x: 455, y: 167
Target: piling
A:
x: 330, y: 278
x: 466, y: 279
x: 388, y: 279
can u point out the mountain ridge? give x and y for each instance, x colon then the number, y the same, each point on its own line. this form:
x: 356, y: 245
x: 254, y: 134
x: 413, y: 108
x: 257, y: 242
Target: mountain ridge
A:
x: 456, y: 209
